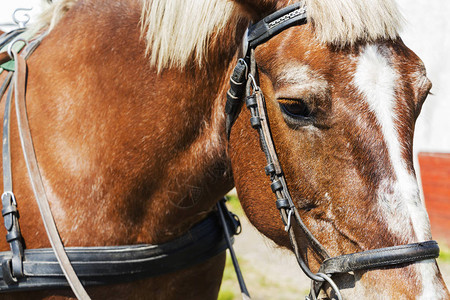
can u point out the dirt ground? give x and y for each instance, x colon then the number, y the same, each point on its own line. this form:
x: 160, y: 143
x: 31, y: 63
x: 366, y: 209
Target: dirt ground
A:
x: 273, y: 273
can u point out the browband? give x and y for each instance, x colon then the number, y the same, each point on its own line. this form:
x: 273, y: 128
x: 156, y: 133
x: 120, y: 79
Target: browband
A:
x: 273, y: 24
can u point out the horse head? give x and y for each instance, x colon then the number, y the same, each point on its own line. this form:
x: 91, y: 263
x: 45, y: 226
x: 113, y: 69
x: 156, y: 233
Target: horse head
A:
x: 342, y: 96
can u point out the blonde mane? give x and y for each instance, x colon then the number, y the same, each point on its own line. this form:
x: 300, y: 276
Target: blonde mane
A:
x: 345, y: 22
x: 176, y: 29
x: 179, y: 30
x: 52, y: 13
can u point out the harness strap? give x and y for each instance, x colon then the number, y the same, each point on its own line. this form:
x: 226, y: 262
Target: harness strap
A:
x: 238, y: 82
x: 12, y: 268
x: 373, y: 259
x: 7, y: 37
x: 5, y: 84
x: 118, y: 264
x: 260, y: 121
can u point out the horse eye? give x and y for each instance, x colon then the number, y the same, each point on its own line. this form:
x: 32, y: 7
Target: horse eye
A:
x: 295, y: 108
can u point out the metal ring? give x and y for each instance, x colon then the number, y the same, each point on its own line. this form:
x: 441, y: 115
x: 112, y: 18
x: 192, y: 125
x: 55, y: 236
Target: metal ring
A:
x: 23, y: 23
x: 253, y: 82
x: 332, y: 284
x: 18, y: 39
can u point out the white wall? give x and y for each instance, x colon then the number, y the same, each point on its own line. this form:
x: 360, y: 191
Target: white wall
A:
x: 7, y: 8
x: 427, y: 32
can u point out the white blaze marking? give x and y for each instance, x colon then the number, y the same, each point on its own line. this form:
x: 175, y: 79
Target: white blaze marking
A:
x: 376, y: 80
x: 398, y: 197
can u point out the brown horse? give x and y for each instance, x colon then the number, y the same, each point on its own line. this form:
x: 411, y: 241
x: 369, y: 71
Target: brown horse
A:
x: 126, y: 107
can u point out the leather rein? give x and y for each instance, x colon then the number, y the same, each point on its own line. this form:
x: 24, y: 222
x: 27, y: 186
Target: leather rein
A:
x: 244, y: 85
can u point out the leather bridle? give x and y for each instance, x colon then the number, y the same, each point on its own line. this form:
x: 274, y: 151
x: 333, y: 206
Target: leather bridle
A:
x: 244, y: 84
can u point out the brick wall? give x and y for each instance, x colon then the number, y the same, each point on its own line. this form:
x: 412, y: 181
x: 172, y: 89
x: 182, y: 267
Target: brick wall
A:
x: 435, y: 174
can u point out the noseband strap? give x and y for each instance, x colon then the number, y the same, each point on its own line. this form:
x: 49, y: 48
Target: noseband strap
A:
x: 244, y: 84
x: 378, y: 258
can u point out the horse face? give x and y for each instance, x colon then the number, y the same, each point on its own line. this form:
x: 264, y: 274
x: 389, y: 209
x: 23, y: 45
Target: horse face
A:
x: 342, y: 121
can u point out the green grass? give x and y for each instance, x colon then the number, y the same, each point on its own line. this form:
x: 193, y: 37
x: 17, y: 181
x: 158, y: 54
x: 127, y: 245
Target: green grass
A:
x: 234, y: 205
x: 229, y: 273
x: 225, y: 294
x: 227, y: 289
x: 444, y: 254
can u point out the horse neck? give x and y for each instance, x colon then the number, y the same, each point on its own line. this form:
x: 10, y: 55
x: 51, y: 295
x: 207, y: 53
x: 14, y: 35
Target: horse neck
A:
x: 200, y: 172
x: 153, y: 148
x: 197, y: 171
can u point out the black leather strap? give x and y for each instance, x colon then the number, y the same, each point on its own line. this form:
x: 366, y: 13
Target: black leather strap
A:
x: 106, y: 265
x: 12, y: 267
x: 382, y: 257
x: 273, y: 24
x: 235, y: 94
